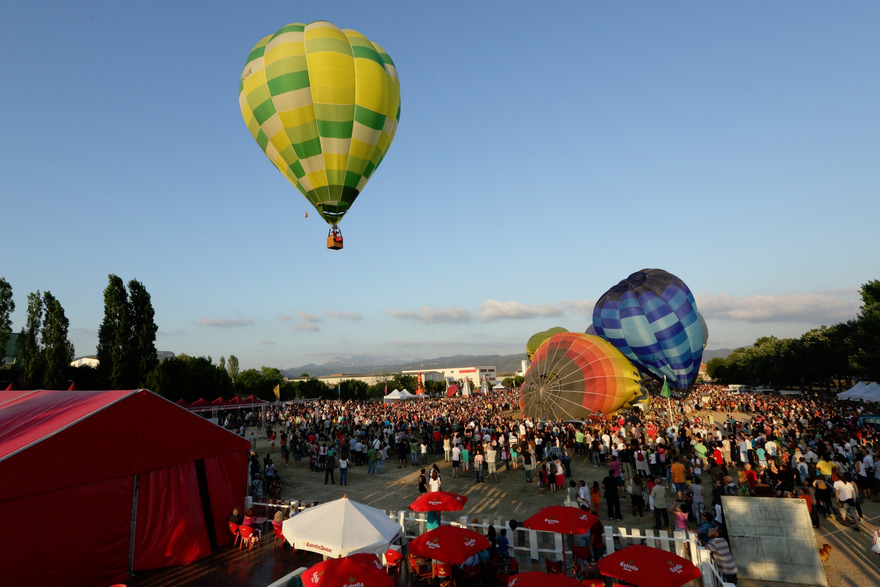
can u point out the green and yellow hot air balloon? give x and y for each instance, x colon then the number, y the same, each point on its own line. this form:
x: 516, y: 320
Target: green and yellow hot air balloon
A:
x: 323, y: 104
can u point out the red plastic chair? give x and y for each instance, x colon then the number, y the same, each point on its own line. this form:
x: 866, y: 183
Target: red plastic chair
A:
x: 420, y: 569
x: 235, y: 529
x: 581, y: 559
x: 393, y: 559
x: 279, y: 536
x: 442, y: 572
x: 472, y: 575
x: 249, y: 536
x: 553, y: 567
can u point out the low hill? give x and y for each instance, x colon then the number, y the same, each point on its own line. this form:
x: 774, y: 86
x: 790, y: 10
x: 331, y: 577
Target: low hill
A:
x: 504, y: 365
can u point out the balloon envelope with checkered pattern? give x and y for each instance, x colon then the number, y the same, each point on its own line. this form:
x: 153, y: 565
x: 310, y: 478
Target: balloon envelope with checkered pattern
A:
x: 323, y: 105
x: 651, y: 317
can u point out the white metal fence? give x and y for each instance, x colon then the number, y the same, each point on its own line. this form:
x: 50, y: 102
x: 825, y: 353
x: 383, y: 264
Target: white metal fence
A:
x: 536, y: 544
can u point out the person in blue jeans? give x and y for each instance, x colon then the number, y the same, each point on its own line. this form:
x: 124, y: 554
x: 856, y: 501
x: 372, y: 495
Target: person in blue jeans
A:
x: 343, y: 471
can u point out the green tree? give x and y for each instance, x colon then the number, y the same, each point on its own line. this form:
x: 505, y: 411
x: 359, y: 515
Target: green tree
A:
x: 514, y: 382
x: 142, y: 320
x: 189, y: 378
x: 222, y: 363
x: 33, y: 368
x: 866, y: 335
x: 232, y: 368
x: 115, y: 364
x: 401, y: 382
x: 32, y: 360
x: 715, y: 368
x: 127, y: 335
x: 57, y: 349
x: 260, y: 383
x: 7, y: 306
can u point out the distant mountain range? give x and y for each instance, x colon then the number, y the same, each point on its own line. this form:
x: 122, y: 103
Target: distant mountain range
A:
x: 504, y: 365
x: 362, y: 365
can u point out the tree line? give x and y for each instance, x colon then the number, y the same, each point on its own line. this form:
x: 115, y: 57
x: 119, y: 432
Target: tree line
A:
x: 830, y: 358
x: 127, y: 357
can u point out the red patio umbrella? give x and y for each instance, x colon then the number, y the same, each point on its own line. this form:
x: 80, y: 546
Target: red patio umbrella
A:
x: 648, y: 567
x: 448, y: 544
x: 439, y: 501
x: 539, y: 579
x: 562, y: 519
x: 361, y: 569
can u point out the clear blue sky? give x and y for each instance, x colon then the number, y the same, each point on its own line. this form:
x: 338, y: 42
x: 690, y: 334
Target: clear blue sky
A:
x: 543, y: 154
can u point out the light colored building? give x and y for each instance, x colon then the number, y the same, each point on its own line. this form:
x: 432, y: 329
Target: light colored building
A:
x: 456, y: 374
x: 334, y: 380
x: 87, y: 361
x: 92, y: 360
x: 431, y: 375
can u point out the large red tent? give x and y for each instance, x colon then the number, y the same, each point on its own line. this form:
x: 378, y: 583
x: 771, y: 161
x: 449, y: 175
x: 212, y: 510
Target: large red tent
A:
x: 98, y: 484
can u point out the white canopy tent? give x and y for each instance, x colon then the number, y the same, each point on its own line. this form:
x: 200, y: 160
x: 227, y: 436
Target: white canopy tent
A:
x: 397, y: 395
x: 872, y: 392
x: 863, y: 391
x: 392, y: 397
x: 340, y: 528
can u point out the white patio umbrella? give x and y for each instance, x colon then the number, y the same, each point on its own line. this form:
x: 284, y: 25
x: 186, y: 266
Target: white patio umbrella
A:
x: 340, y: 528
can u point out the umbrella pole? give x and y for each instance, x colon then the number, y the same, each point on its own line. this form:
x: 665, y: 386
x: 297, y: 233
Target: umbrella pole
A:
x: 564, y: 564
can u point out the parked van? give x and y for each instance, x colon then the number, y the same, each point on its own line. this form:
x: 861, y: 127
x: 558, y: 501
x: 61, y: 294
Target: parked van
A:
x: 872, y: 419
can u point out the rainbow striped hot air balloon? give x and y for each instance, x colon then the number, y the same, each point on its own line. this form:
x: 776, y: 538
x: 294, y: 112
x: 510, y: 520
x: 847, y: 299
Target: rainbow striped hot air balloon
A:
x: 652, y: 318
x: 574, y: 375
x: 323, y: 104
x: 536, y: 339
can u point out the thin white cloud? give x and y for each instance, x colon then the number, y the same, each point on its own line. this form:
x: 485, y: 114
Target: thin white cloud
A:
x: 354, y: 316
x: 305, y: 316
x: 493, y: 311
x: 580, y: 307
x: 225, y: 322
x: 429, y: 315
x: 829, y: 307
x: 490, y: 311
x: 306, y: 327
x: 284, y: 317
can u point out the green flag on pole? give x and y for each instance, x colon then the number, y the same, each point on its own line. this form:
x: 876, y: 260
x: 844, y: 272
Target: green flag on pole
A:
x: 665, y: 392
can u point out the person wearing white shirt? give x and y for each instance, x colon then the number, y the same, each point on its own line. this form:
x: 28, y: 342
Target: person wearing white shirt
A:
x: 846, y: 497
x: 869, y: 473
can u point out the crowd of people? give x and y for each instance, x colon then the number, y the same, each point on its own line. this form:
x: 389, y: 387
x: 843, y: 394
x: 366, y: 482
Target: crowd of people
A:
x: 680, y: 458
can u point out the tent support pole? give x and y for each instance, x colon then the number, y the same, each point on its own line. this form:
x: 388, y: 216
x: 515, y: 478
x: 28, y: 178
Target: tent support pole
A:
x: 134, y: 503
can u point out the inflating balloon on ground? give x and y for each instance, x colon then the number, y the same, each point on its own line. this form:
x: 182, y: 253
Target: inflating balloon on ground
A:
x: 574, y: 375
x: 652, y: 318
x: 536, y: 339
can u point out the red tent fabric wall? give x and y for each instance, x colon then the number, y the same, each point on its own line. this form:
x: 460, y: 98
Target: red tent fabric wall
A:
x: 73, y: 458
x: 74, y: 536
x: 225, y: 480
x: 168, y: 506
